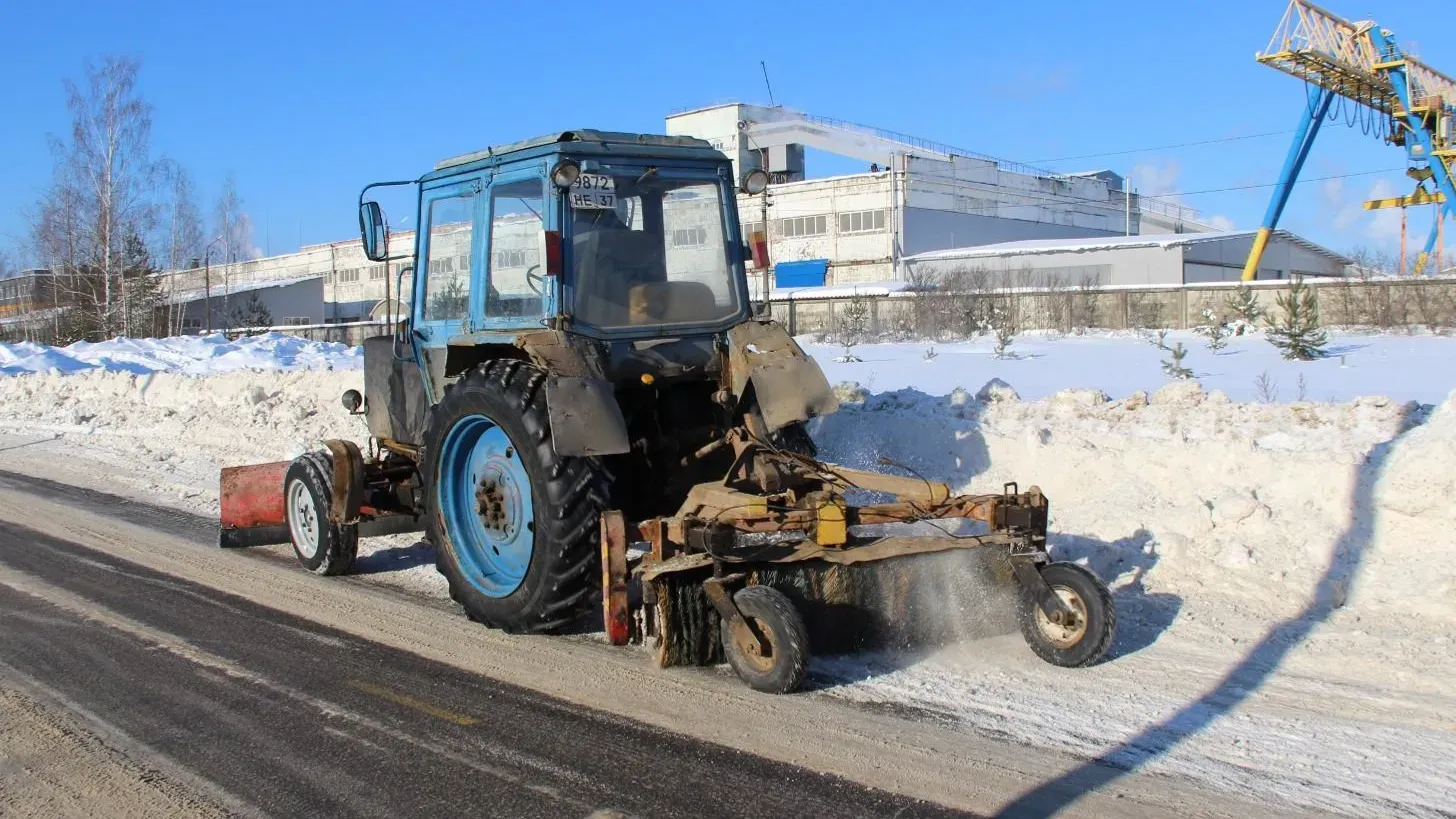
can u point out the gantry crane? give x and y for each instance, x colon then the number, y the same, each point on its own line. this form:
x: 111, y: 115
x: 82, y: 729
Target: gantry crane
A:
x: 1394, y: 96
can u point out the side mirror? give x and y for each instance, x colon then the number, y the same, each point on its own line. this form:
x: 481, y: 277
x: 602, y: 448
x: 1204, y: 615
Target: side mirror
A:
x: 371, y: 231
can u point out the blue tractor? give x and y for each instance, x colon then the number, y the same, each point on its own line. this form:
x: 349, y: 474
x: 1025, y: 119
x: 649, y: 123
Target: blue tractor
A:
x: 584, y: 407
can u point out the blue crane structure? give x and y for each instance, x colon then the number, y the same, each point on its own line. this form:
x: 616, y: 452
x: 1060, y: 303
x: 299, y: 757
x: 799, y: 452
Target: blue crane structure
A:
x: 1358, y: 69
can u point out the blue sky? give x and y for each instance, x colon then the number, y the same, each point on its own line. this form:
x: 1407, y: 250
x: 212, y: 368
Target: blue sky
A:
x: 304, y: 102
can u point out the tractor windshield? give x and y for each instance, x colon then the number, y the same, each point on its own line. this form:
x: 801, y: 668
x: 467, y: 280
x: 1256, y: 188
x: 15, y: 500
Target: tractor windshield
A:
x: 650, y: 251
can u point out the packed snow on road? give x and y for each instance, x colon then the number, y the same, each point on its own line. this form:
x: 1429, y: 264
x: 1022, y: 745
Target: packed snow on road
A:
x: 1277, y: 533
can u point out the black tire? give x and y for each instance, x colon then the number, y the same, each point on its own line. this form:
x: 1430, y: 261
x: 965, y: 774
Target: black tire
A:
x: 308, y: 489
x: 1087, y: 641
x: 568, y: 495
x: 769, y: 611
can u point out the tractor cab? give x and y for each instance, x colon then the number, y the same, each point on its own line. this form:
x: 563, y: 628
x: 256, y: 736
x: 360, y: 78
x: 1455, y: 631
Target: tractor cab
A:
x: 606, y: 235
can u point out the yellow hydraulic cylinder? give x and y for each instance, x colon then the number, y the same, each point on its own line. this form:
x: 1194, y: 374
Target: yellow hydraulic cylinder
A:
x: 1256, y: 253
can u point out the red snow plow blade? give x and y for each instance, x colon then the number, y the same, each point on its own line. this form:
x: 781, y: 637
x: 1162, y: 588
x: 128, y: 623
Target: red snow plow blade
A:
x: 252, y: 507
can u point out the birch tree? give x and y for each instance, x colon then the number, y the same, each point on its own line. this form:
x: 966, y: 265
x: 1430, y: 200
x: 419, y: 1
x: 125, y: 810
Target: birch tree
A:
x: 101, y: 193
x: 183, y: 236
x: 234, y: 231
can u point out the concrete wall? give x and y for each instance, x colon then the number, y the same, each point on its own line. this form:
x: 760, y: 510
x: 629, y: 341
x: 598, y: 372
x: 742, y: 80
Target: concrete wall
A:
x: 1390, y: 303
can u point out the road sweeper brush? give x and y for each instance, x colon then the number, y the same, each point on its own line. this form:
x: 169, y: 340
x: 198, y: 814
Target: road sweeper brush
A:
x: 592, y: 417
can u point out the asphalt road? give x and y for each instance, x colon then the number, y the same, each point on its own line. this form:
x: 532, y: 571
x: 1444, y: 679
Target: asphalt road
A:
x: 269, y: 714
x: 146, y: 673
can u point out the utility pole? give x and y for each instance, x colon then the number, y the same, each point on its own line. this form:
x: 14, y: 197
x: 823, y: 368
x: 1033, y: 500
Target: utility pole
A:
x: 763, y: 219
x: 1127, y: 206
x: 207, y: 283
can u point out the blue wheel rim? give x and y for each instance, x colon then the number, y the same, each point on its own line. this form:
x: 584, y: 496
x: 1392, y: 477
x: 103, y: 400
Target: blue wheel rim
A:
x: 485, y: 501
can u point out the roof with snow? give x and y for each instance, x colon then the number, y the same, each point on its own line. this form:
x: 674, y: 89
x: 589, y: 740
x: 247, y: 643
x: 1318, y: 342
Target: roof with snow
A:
x: 1032, y: 247
x: 217, y: 290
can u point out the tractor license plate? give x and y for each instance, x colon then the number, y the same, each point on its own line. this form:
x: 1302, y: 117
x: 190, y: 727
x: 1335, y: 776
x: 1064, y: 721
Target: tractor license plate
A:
x: 593, y: 192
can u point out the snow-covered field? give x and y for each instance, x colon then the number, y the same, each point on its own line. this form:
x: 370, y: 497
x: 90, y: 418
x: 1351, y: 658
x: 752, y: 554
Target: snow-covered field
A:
x: 1284, y: 571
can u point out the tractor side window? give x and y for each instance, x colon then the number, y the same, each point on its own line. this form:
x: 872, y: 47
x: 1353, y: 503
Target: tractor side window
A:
x: 447, y: 271
x: 515, y: 248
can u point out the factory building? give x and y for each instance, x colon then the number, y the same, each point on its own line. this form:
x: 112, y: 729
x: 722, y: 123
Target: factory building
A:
x: 914, y: 199
x: 915, y: 195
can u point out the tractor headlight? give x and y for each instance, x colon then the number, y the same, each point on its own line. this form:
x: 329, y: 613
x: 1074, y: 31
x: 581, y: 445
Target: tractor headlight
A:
x: 565, y: 173
x: 755, y: 181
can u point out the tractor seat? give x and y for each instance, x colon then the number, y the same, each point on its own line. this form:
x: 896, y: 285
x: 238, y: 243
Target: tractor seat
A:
x: 671, y: 303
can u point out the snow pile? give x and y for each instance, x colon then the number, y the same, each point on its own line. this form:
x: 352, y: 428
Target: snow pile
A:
x: 189, y: 355
x: 1417, y: 367
x: 169, y: 433
x: 1266, y: 507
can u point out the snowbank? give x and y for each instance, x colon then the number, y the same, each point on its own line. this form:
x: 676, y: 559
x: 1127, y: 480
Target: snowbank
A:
x: 1181, y: 491
x: 189, y: 355
x: 1251, y: 508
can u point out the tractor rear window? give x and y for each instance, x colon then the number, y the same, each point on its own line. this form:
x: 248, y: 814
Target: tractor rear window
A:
x: 658, y: 255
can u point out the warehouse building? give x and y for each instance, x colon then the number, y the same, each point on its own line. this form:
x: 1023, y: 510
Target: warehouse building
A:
x: 1170, y: 259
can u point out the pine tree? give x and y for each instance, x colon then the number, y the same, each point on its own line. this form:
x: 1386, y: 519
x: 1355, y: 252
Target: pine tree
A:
x: 1173, y: 367
x: 1297, y: 332
x: 1244, y: 303
x: 854, y: 324
x: 143, y: 292
x: 251, y: 314
x: 1215, y: 329
x: 451, y: 301
x: 1002, y: 321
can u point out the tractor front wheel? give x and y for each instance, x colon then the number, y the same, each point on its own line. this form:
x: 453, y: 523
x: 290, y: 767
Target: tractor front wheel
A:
x: 514, y: 524
x: 322, y: 547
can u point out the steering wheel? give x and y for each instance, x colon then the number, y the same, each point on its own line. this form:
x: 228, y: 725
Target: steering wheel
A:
x: 533, y: 279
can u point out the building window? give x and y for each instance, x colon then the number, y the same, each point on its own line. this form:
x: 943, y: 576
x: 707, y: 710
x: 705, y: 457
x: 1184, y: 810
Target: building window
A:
x: 296, y: 321
x: 690, y: 237
x: 804, y: 226
x: 440, y: 267
x: 191, y: 324
x: 862, y: 221
x: 519, y: 257
x: 751, y: 228
x: 348, y: 276
x: 376, y: 273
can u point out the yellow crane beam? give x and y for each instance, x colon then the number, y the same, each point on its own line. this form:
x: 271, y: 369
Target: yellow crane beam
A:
x: 1420, y: 197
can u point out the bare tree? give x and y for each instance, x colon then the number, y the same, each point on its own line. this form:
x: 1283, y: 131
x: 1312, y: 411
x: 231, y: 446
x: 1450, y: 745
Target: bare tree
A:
x: 232, y: 224
x: 101, y: 193
x: 182, y: 224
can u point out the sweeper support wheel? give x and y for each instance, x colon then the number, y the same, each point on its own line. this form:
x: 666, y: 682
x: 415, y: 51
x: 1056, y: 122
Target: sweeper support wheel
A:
x: 1075, y: 629
x: 765, y: 640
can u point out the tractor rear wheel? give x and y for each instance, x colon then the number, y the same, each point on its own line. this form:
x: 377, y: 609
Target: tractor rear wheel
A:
x: 514, y: 525
x: 308, y: 490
